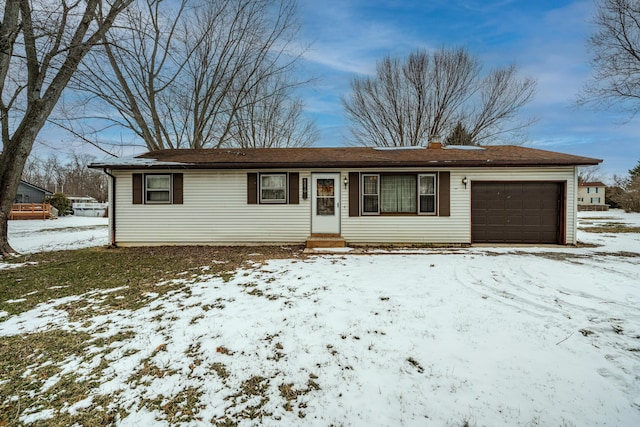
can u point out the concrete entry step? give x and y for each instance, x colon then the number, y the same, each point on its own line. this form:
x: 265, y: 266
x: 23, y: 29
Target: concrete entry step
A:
x: 325, y: 241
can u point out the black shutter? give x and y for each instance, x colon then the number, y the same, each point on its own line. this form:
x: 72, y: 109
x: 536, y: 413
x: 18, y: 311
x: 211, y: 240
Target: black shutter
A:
x: 294, y: 188
x: 444, y: 190
x: 137, y: 188
x: 354, y: 194
x: 252, y: 188
x: 177, y: 188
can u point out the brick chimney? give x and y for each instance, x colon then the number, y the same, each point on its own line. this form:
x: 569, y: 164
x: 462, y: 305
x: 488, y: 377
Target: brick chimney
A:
x: 435, y: 142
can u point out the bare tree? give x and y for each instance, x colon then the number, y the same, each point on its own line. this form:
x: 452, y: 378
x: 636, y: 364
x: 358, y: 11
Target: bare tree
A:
x: 625, y: 193
x: 272, y: 117
x: 615, y: 49
x: 181, y: 78
x: 42, y: 43
x: 429, y: 94
x: 70, y: 176
x: 589, y: 174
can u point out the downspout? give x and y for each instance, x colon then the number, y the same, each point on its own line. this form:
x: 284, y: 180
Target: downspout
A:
x: 112, y: 207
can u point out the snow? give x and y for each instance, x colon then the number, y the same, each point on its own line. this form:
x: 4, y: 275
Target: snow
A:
x: 132, y: 161
x: 64, y: 233
x: 463, y: 147
x: 494, y: 336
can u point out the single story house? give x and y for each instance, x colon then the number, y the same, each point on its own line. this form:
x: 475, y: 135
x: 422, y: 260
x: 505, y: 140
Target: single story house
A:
x: 591, y: 196
x: 328, y: 196
x: 29, y: 193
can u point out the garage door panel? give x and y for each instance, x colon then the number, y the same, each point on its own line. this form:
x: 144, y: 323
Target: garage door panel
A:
x: 515, y: 212
x: 494, y: 220
x: 513, y: 203
x: 515, y: 221
x: 530, y: 220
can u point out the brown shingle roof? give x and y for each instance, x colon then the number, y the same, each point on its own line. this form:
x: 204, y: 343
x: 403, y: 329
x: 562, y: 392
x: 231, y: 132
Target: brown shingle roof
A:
x: 592, y: 184
x: 346, y: 157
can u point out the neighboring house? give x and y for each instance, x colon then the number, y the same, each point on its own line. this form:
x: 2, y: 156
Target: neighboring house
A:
x: 87, y: 206
x: 29, y: 193
x: 591, y: 196
x: 329, y: 196
x: 29, y: 203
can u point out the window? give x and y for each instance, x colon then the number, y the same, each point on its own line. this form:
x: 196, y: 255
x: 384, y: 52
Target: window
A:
x: 596, y: 189
x: 157, y: 188
x: 273, y: 188
x: 427, y: 190
x: 370, y: 191
x: 588, y: 190
x: 398, y: 194
x: 325, y: 197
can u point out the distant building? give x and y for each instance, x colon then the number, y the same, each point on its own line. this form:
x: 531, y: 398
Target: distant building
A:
x: 29, y: 193
x: 591, y: 196
x: 29, y: 203
x: 87, y: 206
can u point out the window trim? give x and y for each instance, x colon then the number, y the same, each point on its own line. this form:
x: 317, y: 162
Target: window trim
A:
x: 416, y: 175
x: 147, y: 190
x: 377, y: 193
x: 435, y: 194
x: 274, y: 201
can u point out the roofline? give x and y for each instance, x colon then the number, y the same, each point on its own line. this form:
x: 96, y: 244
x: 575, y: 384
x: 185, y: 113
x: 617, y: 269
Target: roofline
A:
x: 592, y: 184
x: 35, y: 186
x: 334, y: 165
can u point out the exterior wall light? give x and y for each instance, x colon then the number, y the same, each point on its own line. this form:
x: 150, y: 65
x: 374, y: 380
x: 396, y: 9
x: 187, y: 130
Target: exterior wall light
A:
x: 346, y: 182
x: 465, y: 181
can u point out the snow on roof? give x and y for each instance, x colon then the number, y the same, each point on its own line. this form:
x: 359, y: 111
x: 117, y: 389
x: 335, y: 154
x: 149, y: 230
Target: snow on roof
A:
x: 463, y: 147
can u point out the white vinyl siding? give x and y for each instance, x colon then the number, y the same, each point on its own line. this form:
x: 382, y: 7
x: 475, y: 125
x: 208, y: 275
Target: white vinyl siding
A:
x: 455, y: 228
x: 215, y: 211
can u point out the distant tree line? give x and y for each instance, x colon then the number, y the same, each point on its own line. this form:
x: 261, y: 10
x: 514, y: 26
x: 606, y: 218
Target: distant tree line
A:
x: 69, y: 176
x: 625, y: 192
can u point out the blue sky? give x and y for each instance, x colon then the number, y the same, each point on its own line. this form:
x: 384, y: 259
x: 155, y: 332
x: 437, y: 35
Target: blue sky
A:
x: 545, y: 38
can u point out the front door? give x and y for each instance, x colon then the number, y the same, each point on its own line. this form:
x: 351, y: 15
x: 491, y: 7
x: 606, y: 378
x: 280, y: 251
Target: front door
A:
x: 325, y: 203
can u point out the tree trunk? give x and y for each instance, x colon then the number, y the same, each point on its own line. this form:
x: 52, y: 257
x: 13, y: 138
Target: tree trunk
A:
x: 12, y: 161
x: 39, y: 100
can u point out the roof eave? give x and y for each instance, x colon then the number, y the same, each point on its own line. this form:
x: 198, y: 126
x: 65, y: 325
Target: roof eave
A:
x: 343, y: 164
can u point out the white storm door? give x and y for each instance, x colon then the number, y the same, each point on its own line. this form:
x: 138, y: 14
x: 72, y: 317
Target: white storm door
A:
x: 325, y: 203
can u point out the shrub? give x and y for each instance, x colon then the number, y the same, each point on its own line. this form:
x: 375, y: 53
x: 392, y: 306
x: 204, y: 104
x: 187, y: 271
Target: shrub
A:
x: 60, y: 202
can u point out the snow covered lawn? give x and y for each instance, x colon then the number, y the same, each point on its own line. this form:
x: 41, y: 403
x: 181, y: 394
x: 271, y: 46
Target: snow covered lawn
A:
x: 64, y: 233
x: 471, y: 336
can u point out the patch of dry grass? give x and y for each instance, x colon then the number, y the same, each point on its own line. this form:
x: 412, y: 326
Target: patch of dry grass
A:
x: 610, y: 227
x: 36, y: 370
x: 134, y: 272
x: 35, y: 373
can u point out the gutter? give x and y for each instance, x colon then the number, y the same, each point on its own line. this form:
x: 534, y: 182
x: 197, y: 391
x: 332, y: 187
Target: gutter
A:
x: 112, y: 207
x: 350, y: 165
